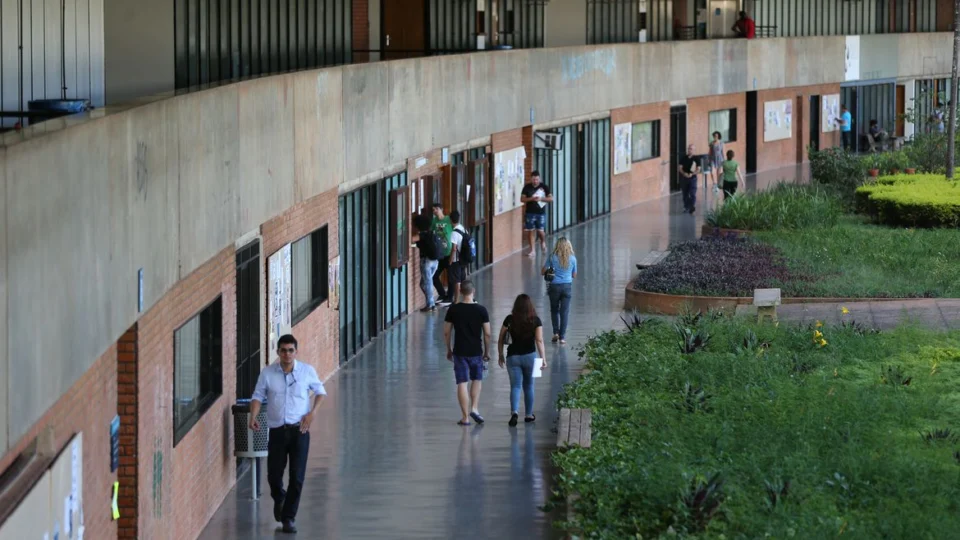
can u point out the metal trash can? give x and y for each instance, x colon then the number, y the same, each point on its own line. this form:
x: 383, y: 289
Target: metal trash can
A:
x: 248, y: 443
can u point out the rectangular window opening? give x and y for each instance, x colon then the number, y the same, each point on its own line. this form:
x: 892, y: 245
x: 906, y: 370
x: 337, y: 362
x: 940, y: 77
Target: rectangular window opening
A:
x: 198, y: 368
x: 646, y: 140
x: 309, y: 261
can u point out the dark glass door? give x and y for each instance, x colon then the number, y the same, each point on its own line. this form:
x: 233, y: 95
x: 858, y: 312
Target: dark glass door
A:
x: 561, y: 171
x: 678, y: 142
x: 751, y: 132
x: 248, y: 319
x: 595, y: 188
x: 815, y: 122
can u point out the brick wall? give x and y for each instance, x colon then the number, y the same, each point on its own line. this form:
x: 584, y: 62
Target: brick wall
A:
x: 361, y: 29
x: 647, y: 179
x: 181, y: 487
x: 127, y: 408
x: 785, y: 152
x: 319, y: 333
x: 508, y: 226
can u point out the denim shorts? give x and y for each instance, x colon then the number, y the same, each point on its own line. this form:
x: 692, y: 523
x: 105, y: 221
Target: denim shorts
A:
x: 534, y: 222
x: 467, y: 368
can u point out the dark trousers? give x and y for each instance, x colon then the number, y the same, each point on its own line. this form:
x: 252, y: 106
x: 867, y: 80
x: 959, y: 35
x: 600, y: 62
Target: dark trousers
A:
x: 846, y: 140
x: 689, y: 188
x: 560, y: 294
x: 287, y: 444
x: 444, y: 263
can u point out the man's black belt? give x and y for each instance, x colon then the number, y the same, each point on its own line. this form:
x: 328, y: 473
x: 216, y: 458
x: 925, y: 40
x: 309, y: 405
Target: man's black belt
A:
x: 288, y: 426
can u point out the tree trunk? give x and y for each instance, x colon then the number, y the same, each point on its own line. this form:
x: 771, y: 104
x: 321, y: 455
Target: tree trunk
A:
x: 952, y: 127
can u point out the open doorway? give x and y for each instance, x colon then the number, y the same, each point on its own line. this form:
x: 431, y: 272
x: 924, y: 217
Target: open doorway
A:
x: 814, y: 141
x: 751, y: 132
x: 678, y: 142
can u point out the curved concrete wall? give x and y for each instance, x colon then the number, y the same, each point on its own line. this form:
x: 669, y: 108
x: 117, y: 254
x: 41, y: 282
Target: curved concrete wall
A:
x: 165, y: 184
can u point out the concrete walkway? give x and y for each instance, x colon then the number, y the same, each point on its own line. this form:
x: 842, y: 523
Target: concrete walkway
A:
x: 387, y: 459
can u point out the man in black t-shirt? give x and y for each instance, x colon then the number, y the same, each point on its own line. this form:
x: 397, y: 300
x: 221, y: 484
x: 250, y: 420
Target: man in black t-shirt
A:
x: 536, y: 195
x: 688, y: 180
x: 471, y: 323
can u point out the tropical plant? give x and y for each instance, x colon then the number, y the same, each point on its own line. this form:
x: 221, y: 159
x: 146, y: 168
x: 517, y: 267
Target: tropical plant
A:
x: 785, y: 206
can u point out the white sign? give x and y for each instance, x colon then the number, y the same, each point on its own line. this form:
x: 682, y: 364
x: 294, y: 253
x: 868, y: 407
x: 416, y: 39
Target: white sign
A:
x: 777, y: 120
x: 851, y: 60
x: 508, y: 179
x: 622, y: 136
x: 829, y: 113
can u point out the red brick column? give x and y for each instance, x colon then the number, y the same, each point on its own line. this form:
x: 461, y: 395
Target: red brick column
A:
x: 127, y: 398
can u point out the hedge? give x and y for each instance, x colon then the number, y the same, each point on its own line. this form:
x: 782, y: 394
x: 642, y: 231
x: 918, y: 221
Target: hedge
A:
x: 922, y: 200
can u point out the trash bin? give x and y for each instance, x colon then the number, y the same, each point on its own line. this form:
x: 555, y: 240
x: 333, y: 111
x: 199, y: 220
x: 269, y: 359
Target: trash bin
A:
x: 247, y: 443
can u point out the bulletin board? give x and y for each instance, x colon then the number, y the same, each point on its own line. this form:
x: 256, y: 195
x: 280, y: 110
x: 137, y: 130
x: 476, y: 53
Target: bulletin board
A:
x: 830, y: 112
x: 279, y: 294
x: 54, y: 507
x: 777, y: 120
x: 508, y: 179
x: 622, y: 136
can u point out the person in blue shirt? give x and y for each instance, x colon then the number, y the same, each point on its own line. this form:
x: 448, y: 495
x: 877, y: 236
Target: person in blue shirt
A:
x: 846, y: 122
x: 286, y: 386
x: 563, y: 263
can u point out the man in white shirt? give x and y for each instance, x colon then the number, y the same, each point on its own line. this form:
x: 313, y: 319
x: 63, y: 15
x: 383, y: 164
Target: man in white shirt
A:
x: 457, y: 272
x: 286, y: 385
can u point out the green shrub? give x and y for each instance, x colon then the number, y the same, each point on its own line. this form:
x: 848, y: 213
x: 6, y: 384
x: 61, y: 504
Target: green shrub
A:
x: 785, y: 206
x: 928, y: 152
x: 766, y: 434
x: 837, y: 167
x: 926, y: 200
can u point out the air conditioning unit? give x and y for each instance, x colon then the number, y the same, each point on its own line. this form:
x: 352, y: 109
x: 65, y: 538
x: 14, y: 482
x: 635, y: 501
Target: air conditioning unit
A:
x: 548, y: 140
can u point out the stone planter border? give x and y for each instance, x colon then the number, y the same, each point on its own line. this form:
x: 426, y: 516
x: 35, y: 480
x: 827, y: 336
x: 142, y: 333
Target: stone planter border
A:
x: 675, y: 304
x: 710, y: 230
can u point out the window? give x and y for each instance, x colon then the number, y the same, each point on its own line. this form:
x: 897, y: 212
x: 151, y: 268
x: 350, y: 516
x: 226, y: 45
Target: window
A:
x: 725, y: 122
x: 399, y: 227
x: 646, y: 140
x: 308, y: 262
x: 198, y: 368
x: 477, y: 193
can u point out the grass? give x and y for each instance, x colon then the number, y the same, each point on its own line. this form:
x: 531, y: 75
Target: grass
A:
x: 856, y: 259
x: 785, y: 206
x: 764, y: 433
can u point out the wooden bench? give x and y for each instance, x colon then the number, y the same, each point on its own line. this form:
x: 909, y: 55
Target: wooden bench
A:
x: 766, y: 301
x: 573, y: 429
x: 652, y: 259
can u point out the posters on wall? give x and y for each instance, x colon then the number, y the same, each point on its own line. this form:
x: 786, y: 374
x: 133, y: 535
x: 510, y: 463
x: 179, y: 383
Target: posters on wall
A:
x: 278, y: 295
x: 777, y: 120
x: 622, y: 137
x: 851, y: 59
x: 333, y: 283
x: 508, y: 179
x: 830, y: 113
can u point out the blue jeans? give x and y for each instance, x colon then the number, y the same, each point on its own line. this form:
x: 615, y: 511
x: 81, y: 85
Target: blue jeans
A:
x: 428, y: 267
x: 560, y: 294
x: 520, y: 369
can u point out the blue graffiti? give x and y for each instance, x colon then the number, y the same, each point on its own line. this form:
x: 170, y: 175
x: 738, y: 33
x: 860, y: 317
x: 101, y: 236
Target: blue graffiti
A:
x: 575, y: 67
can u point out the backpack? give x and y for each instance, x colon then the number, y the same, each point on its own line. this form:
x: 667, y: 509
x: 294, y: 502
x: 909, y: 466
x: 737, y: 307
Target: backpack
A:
x: 430, y: 246
x: 468, y: 247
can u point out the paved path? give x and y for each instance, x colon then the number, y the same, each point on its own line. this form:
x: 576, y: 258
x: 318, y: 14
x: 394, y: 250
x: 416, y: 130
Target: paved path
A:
x: 931, y: 313
x: 386, y: 458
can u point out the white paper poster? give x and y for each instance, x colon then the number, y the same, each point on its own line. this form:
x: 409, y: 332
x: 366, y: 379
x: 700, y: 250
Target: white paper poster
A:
x: 622, y: 137
x: 278, y: 294
x: 829, y: 113
x: 778, y: 120
x: 509, y: 179
x: 851, y: 63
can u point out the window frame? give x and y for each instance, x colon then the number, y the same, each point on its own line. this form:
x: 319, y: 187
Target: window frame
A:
x: 211, y: 375
x: 731, y: 125
x: 320, y: 286
x: 655, y: 131
x: 400, y: 238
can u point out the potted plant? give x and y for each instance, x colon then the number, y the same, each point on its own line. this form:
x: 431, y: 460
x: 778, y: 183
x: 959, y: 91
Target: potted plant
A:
x: 909, y: 166
x: 873, y: 165
x: 898, y: 161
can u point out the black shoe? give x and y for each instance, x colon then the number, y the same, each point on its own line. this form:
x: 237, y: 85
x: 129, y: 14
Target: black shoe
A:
x: 289, y: 526
x: 693, y: 209
x: 428, y: 309
x: 513, y: 420
x: 277, y: 509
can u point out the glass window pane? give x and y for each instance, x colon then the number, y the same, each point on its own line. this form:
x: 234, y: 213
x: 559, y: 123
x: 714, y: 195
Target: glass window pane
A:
x: 720, y: 121
x: 187, y: 367
x: 302, y: 269
x: 642, y: 146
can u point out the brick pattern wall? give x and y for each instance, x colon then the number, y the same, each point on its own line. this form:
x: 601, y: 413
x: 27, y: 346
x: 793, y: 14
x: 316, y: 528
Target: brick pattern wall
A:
x: 361, y: 29
x: 698, y: 125
x: 647, y: 179
x: 127, y: 408
x: 181, y: 487
x: 87, y: 407
x: 782, y: 153
x: 508, y: 226
x: 319, y: 333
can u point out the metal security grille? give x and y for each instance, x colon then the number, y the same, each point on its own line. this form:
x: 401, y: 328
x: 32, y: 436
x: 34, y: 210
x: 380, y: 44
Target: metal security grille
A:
x: 930, y: 95
x: 794, y: 18
x: 248, y: 318
x: 452, y: 26
x: 560, y: 170
x: 218, y: 40
x: 620, y: 21
x: 596, y: 169
x: 870, y: 102
x: 520, y: 23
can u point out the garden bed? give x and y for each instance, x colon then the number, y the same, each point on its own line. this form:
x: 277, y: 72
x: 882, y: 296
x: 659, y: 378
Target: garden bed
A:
x: 766, y: 432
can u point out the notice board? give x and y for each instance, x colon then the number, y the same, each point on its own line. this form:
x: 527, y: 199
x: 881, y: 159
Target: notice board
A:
x: 508, y: 179
x: 830, y: 112
x: 777, y: 120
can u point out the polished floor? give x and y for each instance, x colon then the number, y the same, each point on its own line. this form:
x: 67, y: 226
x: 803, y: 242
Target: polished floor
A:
x: 387, y: 459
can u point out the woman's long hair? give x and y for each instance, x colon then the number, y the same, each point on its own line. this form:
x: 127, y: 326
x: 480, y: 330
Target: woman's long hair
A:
x: 563, y: 250
x: 524, y: 314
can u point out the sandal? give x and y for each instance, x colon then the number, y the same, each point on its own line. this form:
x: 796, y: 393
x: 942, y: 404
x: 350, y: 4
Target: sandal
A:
x: 531, y: 418
x: 462, y: 423
x: 513, y: 420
